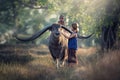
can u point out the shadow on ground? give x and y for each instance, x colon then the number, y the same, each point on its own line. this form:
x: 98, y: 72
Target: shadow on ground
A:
x: 15, y: 54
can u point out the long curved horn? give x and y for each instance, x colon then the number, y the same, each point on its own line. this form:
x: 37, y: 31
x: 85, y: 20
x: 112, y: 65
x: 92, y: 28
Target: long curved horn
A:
x: 80, y: 37
x: 67, y: 29
x: 84, y: 37
x: 34, y: 36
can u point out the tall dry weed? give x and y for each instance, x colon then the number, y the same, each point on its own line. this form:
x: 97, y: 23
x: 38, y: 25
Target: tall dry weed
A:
x: 107, y: 68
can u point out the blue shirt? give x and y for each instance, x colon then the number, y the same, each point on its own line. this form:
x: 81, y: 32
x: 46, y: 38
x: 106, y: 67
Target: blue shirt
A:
x: 72, y: 43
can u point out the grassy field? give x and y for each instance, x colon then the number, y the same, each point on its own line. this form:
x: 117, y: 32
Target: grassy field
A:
x: 28, y: 62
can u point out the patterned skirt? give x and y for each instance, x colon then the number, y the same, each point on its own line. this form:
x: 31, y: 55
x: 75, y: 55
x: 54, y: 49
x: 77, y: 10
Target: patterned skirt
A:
x: 72, y: 58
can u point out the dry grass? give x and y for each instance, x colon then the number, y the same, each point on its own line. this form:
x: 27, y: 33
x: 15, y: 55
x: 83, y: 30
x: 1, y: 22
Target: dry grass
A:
x: 38, y: 64
x: 35, y: 63
x: 87, y: 51
x: 107, y: 68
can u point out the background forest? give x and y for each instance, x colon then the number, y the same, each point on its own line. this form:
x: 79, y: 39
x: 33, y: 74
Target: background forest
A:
x: 26, y: 17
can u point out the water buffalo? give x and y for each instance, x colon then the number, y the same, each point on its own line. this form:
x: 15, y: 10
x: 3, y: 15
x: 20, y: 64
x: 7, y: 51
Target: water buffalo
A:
x: 57, y: 42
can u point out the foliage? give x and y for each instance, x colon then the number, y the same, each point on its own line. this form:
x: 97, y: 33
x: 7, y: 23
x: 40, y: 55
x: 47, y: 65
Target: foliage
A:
x: 29, y: 16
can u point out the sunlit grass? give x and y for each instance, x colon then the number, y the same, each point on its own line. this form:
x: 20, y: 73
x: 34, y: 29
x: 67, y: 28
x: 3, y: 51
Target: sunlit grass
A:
x: 41, y: 66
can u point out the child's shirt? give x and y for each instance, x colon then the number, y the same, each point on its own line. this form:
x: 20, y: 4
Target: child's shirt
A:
x: 72, y: 42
